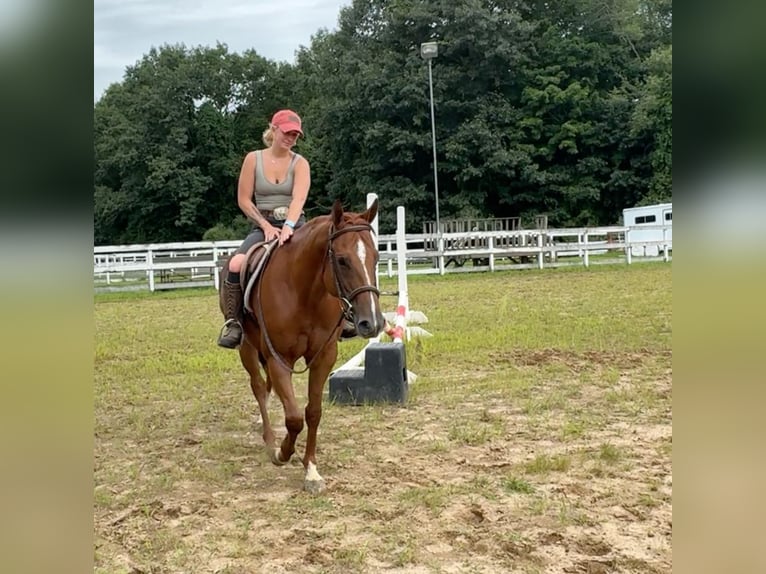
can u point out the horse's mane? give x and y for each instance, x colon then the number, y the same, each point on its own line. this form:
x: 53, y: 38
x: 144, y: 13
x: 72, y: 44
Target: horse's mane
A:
x: 349, y: 218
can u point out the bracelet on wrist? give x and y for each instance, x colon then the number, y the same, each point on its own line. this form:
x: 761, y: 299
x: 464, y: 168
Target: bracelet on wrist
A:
x: 290, y: 223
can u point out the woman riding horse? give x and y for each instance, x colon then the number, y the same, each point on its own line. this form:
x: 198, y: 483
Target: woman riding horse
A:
x: 324, y: 275
x: 279, y: 180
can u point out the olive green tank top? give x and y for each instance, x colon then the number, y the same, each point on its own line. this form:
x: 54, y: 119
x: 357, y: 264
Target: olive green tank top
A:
x: 270, y: 195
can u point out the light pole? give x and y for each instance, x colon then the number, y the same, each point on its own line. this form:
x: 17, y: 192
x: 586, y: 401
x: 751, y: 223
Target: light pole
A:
x: 428, y: 51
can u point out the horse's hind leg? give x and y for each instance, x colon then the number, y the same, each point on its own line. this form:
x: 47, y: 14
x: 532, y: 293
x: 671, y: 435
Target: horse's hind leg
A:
x: 249, y: 356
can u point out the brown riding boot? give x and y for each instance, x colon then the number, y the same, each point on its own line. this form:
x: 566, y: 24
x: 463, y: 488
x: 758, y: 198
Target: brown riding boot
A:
x: 231, y: 333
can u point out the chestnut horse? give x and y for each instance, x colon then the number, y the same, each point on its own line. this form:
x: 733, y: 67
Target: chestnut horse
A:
x: 326, y: 273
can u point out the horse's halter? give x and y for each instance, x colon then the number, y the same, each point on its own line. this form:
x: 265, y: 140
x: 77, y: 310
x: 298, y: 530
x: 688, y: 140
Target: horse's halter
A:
x: 347, y: 298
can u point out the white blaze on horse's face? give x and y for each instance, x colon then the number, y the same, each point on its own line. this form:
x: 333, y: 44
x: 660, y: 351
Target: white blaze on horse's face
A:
x: 361, y: 252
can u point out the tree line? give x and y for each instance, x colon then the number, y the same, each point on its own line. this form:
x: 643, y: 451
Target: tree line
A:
x: 558, y: 108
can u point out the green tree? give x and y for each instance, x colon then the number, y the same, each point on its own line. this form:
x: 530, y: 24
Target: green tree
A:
x: 652, y: 121
x: 169, y: 141
x: 559, y: 108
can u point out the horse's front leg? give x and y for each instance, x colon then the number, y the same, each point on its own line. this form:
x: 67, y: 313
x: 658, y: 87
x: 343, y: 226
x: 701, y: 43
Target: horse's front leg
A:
x: 282, y: 384
x: 313, y: 482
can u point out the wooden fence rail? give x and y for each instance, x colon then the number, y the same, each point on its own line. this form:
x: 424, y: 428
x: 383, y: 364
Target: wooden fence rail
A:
x: 194, y: 264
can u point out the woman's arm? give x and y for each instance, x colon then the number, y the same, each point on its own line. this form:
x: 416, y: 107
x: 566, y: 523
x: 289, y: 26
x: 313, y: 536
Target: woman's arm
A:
x: 301, y: 185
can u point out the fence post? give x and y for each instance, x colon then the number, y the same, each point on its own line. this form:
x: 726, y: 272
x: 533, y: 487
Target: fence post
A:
x: 150, y: 261
x: 491, y: 245
x: 587, y: 252
x: 401, y: 254
x: 440, y: 251
x: 216, y: 277
x: 554, y: 253
x: 540, y: 252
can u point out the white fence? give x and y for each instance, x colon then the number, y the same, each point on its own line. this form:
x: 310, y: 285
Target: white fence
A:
x: 180, y: 265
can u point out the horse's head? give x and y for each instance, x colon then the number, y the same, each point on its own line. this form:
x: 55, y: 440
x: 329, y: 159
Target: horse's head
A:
x: 354, y: 258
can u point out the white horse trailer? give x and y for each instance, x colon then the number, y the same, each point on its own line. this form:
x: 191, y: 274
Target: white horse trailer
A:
x: 649, y: 223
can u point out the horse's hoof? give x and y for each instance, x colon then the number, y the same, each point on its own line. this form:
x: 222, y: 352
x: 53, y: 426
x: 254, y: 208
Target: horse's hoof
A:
x: 275, y: 457
x: 313, y: 486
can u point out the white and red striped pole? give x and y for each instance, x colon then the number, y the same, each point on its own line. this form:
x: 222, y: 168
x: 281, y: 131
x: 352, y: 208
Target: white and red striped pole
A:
x: 399, y: 331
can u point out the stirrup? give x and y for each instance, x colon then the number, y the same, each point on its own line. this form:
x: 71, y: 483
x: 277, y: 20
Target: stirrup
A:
x: 227, y: 343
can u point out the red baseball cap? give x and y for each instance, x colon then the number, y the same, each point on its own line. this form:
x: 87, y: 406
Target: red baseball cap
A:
x: 287, y: 121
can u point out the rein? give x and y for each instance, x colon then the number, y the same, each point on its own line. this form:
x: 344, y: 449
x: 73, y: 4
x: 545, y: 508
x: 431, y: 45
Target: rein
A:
x: 345, y: 298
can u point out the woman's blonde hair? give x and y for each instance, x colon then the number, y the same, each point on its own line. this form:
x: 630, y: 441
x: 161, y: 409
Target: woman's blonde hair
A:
x: 268, y: 135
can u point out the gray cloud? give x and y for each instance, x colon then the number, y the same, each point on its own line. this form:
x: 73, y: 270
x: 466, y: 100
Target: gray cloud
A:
x: 125, y: 30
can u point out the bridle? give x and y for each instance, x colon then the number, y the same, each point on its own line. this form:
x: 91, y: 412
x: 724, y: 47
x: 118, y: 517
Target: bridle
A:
x: 346, y: 298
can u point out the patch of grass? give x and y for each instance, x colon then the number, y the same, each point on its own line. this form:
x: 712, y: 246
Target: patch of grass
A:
x: 544, y: 403
x: 636, y: 400
x: 437, y: 447
x: 484, y: 486
x: 317, y: 505
x: 543, y: 362
x: 543, y: 464
x: 598, y: 471
x: 404, y: 553
x: 119, y: 296
x: 539, y: 505
x: 219, y: 472
x: 573, y: 429
x: 434, y: 498
x: 648, y: 500
x: 569, y: 513
x: 469, y: 432
x: 160, y: 544
x: 610, y: 376
x: 609, y: 453
x: 351, y: 557
x: 103, y: 498
x: 652, y: 497
x: 560, y: 509
x: 519, y: 485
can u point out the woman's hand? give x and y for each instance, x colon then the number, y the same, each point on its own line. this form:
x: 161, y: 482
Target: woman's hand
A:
x: 270, y: 232
x: 285, y: 234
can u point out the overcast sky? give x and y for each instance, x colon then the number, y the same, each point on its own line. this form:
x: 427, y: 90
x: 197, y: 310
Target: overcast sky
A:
x: 125, y: 30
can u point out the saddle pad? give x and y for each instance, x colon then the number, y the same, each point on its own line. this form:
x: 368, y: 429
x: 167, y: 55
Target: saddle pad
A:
x: 255, y: 261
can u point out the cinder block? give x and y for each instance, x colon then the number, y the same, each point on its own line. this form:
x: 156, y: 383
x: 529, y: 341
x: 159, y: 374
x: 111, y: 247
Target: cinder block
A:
x: 383, y: 379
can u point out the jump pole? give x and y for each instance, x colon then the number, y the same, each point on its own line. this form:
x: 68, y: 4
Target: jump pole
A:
x: 403, y: 316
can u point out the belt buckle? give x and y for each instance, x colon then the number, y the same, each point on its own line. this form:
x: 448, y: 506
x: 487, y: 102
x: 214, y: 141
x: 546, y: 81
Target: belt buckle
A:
x: 280, y: 213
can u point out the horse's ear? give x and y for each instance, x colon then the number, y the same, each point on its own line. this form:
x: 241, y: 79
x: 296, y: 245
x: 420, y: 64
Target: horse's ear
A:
x: 371, y: 212
x: 337, y: 212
